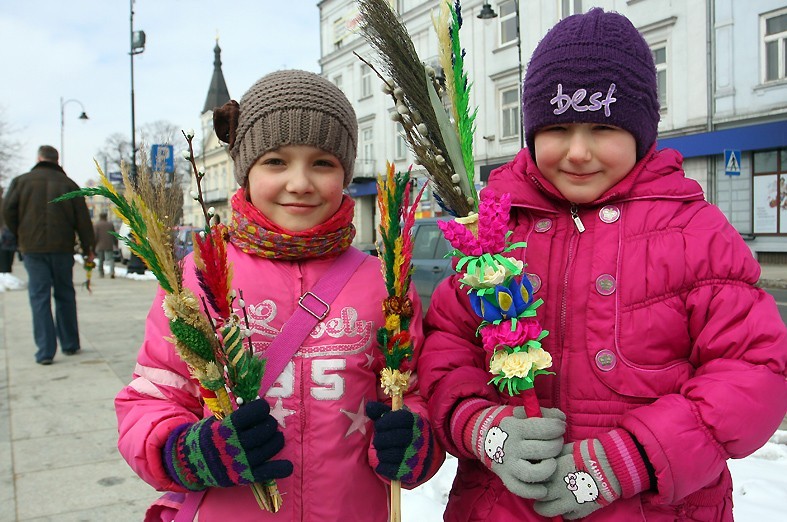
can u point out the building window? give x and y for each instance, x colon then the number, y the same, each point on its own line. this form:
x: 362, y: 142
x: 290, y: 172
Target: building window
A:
x: 770, y: 191
x: 339, y: 32
x: 367, y: 152
x: 660, y: 59
x: 507, y: 22
x: 775, y: 46
x: 570, y: 7
x: 509, y: 113
x: 366, y: 81
x: 337, y: 81
x: 401, y: 145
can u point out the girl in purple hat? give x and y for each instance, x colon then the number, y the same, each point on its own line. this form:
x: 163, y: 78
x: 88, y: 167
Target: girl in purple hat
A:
x: 668, y: 358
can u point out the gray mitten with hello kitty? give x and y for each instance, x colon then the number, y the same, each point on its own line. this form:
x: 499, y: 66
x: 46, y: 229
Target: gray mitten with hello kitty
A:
x: 519, y: 450
x: 592, y: 474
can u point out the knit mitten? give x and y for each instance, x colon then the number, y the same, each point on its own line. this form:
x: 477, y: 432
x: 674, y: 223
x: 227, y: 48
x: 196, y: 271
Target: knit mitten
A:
x: 519, y: 450
x: 228, y: 452
x: 594, y: 473
x: 402, y: 445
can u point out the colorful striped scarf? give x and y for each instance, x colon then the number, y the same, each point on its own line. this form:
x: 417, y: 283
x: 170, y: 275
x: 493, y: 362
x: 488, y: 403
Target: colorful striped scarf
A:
x: 252, y: 232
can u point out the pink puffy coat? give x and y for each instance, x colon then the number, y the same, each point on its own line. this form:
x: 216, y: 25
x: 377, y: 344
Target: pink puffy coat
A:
x: 318, y: 400
x: 655, y: 326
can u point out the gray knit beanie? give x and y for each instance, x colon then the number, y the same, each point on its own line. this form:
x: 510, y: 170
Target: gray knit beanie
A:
x: 291, y: 107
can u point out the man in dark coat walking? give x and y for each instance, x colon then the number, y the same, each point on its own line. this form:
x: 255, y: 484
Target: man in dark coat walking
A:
x: 45, y: 236
x: 105, y: 244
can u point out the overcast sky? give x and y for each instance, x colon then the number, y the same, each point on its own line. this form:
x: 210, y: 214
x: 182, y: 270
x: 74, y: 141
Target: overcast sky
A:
x: 78, y: 49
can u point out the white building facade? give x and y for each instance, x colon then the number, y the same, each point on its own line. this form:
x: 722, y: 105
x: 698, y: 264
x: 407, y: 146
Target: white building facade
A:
x: 748, y: 106
x: 721, y: 67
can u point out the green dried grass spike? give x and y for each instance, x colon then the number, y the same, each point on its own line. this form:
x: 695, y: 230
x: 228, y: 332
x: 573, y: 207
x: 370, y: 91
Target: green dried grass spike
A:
x: 193, y: 338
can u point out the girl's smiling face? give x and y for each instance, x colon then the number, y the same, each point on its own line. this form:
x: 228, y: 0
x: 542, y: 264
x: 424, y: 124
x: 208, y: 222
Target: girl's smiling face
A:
x: 296, y: 186
x: 584, y: 160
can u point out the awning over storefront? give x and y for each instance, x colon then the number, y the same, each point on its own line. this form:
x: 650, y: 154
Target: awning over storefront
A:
x: 364, y: 188
x: 751, y: 137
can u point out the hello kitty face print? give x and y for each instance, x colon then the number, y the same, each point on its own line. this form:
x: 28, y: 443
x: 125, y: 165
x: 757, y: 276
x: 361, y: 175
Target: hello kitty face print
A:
x: 493, y: 444
x: 582, y: 485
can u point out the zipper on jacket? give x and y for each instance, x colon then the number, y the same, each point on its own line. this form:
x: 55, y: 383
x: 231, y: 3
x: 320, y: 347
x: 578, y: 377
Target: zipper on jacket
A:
x: 573, y: 240
x: 575, y: 216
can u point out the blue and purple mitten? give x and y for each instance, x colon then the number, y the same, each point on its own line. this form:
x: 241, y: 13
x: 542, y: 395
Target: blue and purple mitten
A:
x: 402, y: 446
x: 223, y: 453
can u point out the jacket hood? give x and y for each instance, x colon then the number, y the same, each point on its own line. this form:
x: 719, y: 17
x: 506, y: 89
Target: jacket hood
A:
x: 659, y: 175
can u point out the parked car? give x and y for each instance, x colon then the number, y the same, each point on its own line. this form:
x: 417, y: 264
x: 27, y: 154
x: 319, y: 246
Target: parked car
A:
x: 125, y: 253
x: 183, y: 239
x: 181, y: 236
x: 430, y: 266
x: 367, y: 248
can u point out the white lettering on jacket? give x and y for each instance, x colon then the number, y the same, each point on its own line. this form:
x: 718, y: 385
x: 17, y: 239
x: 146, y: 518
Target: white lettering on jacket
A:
x: 565, y: 102
x: 344, y: 335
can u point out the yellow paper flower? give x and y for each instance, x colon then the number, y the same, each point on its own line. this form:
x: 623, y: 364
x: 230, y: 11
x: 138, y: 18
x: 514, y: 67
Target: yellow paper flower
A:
x: 493, y: 275
x: 496, y: 363
x: 517, y: 364
x: 489, y: 278
x: 393, y: 322
x: 540, y: 358
x: 394, y: 382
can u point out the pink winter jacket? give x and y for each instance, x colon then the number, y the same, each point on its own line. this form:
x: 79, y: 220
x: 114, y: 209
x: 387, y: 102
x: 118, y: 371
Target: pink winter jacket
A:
x: 318, y: 400
x: 655, y: 326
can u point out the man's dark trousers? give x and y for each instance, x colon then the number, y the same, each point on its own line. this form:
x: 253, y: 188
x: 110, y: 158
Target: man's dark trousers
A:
x: 46, y: 272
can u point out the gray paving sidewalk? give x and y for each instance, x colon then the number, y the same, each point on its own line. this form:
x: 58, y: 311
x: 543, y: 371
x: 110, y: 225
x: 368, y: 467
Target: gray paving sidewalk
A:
x: 58, y: 434
x: 773, y: 276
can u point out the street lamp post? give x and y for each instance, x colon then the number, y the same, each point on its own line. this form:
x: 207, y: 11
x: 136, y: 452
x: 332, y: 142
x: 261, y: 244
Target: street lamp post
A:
x: 488, y: 13
x: 82, y: 116
x: 137, y: 46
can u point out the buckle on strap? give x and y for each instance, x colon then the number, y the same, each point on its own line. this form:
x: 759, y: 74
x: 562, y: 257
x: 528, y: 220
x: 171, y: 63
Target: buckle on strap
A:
x: 318, y: 316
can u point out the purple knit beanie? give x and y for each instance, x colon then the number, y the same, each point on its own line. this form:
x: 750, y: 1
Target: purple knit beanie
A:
x: 592, y: 68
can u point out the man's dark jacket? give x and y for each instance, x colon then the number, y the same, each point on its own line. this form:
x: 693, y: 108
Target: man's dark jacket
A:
x: 42, y: 227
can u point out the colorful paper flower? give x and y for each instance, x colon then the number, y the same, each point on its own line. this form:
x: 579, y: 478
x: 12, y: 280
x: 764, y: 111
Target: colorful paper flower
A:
x: 504, y: 302
x: 510, y: 334
x: 517, y: 364
x: 492, y: 227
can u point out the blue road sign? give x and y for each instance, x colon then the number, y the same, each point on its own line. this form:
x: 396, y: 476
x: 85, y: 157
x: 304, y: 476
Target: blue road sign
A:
x: 163, y: 158
x: 732, y: 162
x: 115, y: 177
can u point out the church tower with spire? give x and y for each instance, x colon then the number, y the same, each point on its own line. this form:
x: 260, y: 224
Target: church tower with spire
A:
x: 213, y: 157
x: 218, y: 94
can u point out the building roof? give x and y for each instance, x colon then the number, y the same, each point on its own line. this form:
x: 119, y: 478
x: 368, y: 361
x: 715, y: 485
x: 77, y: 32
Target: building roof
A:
x: 218, y: 94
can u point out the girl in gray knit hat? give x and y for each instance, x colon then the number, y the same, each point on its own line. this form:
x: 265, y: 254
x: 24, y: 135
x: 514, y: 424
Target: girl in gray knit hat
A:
x: 319, y: 431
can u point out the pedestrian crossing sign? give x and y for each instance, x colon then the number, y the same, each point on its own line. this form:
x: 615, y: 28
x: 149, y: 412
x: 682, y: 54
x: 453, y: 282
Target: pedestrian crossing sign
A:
x: 732, y: 162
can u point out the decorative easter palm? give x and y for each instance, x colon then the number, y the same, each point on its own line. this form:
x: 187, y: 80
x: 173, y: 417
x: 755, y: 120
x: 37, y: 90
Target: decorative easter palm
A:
x: 211, y: 344
x: 502, y: 295
x: 89, y: 265
x: 442, y: 147
x: 498, y: 289
x: 397, y: 215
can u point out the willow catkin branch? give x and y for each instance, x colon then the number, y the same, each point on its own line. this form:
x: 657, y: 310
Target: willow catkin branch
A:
x: 424, y: 132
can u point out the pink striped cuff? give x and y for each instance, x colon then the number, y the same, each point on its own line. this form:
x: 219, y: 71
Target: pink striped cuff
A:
x: 585, y: 454
x: 463, y: 414
x: 625, y: 461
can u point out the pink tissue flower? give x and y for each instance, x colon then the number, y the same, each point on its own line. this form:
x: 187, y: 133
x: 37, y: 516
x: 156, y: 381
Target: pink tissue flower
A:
x: 493, y: 216
x: 493, y: 335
